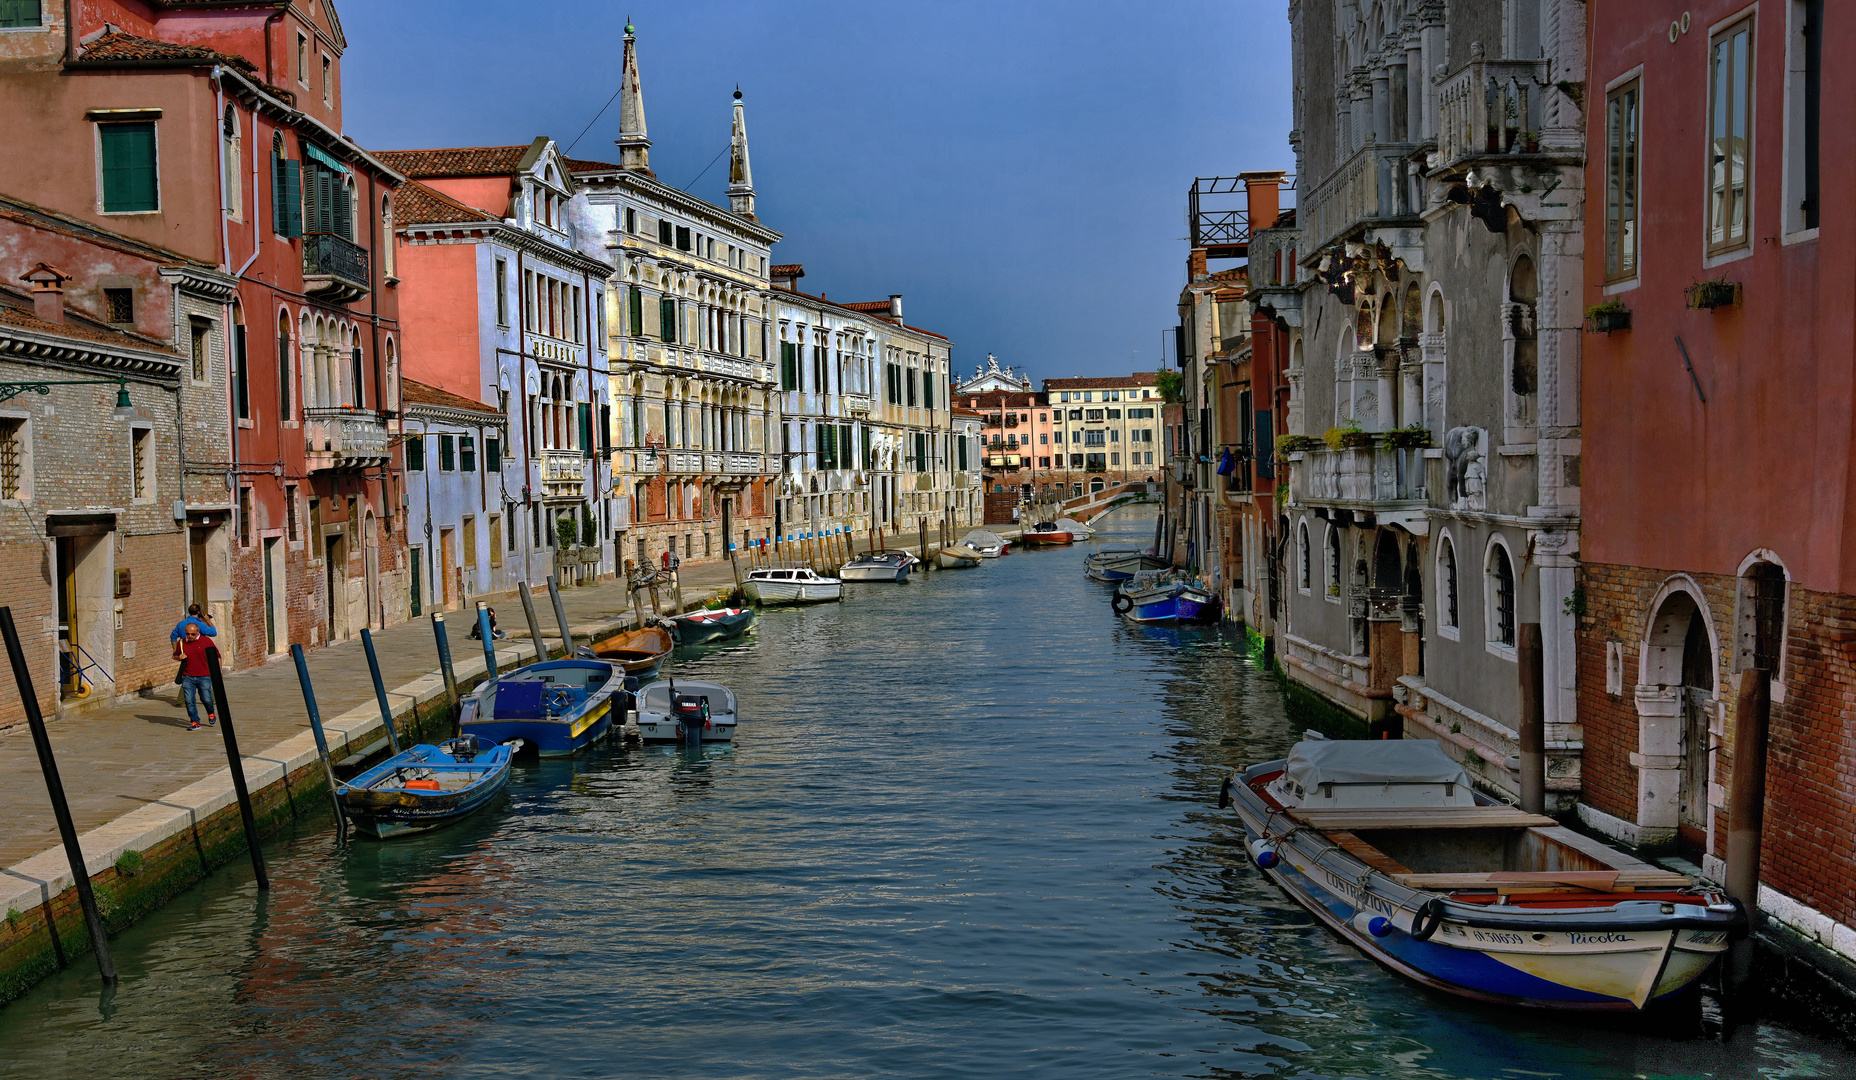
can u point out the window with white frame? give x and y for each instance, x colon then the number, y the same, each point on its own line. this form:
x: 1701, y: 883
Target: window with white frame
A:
x: 1500, y: 589
x: 1448, y: 617
x: 1730, y: 120
x: 1333, y: 563
x: 1306, y: 575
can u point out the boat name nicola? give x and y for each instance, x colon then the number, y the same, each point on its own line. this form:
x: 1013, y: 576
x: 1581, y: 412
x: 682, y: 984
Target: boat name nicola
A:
x: 1598, y: 939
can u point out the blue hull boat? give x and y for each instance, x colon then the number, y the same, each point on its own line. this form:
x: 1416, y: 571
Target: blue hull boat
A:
x: 425, y: 786
x: 1115, y: 565
x: 1388, y: 845
x: 1161, y: 597
x: 558, y: 707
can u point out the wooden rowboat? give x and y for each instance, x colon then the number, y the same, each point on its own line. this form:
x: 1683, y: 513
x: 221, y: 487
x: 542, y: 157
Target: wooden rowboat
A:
x: 1388, y: 844
x: 640, y: 652
x: 424, y: 787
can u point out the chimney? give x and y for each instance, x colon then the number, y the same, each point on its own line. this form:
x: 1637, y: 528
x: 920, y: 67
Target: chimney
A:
x: 1195, y: 265
x: 895, y: 307
x: 786, y: 275
x: 1263, y: 198
x: 47, y: 283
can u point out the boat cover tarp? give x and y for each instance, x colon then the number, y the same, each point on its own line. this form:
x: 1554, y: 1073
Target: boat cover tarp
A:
x: 1074, y: 527
x: 1361, y: 761
x: 980, y: 538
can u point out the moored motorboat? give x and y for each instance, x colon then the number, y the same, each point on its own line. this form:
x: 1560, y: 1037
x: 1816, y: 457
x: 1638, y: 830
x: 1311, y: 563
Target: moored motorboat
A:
x: 957, y: 557
x: 425, y: 786
x: 1387, y: 843
x: 877, y: 566
x: 717, y: 624
x: 1046, y: 534
x: 556, y: 707
x: 1120, y: 564
x: 686, y: 710
x: 1163, y: 596
x: 640, y: 652
x: 1075, y: 528
x: 771, y: 585
x: 990, y: 545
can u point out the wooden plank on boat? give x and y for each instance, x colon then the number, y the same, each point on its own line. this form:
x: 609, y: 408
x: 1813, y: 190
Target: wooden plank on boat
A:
x: 1439, y: 817
x: 1368, y: 854
x: 1524, y: 880
x: 1653, y: 879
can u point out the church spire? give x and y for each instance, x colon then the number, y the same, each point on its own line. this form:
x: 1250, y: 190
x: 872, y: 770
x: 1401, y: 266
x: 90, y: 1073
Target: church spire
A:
x: 740, y: 175
x: 634, y: 147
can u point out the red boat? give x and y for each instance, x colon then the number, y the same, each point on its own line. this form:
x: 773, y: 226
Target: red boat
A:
x: 1046, y: 534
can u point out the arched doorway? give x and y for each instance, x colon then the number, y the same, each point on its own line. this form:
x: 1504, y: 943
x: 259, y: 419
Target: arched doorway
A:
x: 1675, y: 706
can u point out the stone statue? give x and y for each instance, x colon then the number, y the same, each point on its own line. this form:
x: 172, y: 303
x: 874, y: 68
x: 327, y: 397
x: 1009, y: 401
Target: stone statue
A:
x: 1459, y: 444
x: 1475, y: 482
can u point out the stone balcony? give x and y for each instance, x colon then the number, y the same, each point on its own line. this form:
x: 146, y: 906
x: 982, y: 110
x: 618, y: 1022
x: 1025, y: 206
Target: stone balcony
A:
x: 1488, y: 108
x: 344, y: 439
x: 1368, y: 190
x: 1373, y: 478
x: 564, y: 472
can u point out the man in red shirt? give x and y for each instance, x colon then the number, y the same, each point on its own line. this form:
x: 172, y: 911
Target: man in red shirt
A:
x: 195, y: 678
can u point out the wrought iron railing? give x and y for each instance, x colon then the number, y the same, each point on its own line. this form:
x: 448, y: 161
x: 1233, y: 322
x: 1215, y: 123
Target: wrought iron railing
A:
x: 329, y: 255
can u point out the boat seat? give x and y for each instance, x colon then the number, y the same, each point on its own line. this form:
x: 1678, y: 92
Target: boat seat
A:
x: 1368, y: 854
x: 1514, y: 881
x: 1427, y: 817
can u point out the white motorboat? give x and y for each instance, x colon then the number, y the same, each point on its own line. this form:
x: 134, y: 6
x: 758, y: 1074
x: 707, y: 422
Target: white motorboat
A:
x: 768, y: 586
x: 686, y: 711
x: 878, y: 566
x: 990, y: 545
x: 1075, y: 528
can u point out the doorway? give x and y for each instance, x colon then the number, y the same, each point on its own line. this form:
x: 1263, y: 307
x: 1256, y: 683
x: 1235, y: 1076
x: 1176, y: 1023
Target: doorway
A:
x: 1697, y: 709
x: 335, y: 579
x: 270, y: 594
x: 416, y: 564
x: 447, y: 558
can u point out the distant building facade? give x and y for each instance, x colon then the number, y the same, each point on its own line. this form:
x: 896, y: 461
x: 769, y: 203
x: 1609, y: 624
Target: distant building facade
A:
x: 990, y: 378
x: 1104, y: 430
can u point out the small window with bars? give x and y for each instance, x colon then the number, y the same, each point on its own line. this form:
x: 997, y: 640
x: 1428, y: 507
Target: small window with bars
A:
x: 1501, y: 597
x: 142, y: 462
x: 119, y: 306
x: 13, y: 473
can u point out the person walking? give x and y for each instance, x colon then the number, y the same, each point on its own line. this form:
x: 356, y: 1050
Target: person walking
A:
x: 195, y: 617
x: 196, y: 683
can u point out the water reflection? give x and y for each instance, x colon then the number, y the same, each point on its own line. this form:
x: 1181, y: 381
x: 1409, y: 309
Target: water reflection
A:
x: 966, y: 829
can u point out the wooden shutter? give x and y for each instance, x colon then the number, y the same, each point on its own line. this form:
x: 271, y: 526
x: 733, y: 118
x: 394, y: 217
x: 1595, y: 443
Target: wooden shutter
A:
x: 360, y: 398
x: 637, y: 312
x: 1266, y: 446
x: 446, y: 460
x: 844, y: 446
x: 415, y: 453
x: 129, y: 183
x: 585, y: 411
x: 293, y: 198
x: 342, y: 204
x: 241, y: 380
x: 493, y: 460
x: 667, y: 320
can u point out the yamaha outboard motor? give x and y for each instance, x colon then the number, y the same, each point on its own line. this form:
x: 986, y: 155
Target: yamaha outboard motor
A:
x: 692, y: 716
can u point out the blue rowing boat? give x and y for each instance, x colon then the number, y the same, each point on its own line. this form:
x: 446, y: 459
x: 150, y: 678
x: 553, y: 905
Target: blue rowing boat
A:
x: 425, y: 786
x: 557, y: 707
x: 1165, y: 597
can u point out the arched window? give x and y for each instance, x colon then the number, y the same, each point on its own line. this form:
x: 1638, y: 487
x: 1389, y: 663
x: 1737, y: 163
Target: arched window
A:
x: 390, y: 378
x: 234, y: 190
x: 1761, y: 619
x: 1306, y: 577
x: 1446, y: 584
x: 387, y: 239
x: 1500, y: 586
x: 283, y: 367
x: 1333, y: 546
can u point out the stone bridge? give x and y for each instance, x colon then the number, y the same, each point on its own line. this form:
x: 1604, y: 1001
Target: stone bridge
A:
x: 1088, y: 507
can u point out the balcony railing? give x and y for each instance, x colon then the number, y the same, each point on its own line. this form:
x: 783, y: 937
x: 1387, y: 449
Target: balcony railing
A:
x: 1374, y: 474
x: 343, y: 440
x: 563, y: 472
x: 1367, y: 189
x: 334, y: 267
x: 1490, y: 107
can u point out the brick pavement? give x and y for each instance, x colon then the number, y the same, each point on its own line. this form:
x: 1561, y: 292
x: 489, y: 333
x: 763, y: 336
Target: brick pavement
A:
x: 114, y: 760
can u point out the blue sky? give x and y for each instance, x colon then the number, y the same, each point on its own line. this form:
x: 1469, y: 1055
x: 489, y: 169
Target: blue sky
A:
x: 1018, y: 171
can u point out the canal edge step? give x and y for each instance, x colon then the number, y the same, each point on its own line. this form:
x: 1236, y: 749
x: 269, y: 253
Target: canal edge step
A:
x: 139, y: 861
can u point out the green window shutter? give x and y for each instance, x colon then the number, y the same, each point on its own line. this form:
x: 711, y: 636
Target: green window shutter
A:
x: 129, y: 183
x: 415, y: 453
x: 467, y: 453
x: 278, y: 217
x: 19, y: 14
x: 343, y: 208
x: 663, y: 231
x: 844, y: 446
x: 667, y: 320
x: 293, y: 198
x: 241, y: 379
x: 789, y: 366
x: 493, y: 454
x: 585, y: 412
x: 865, y: 456
x: 447, y: 459
x: 927, y: 390
x: 637, y: 312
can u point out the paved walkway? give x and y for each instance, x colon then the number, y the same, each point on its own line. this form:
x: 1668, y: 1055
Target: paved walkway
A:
x: 116, y: 759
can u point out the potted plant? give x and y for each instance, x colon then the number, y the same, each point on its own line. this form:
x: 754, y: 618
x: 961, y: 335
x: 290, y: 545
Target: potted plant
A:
x: 1607, y: 317
x: 1297, y: 444
x: 1713, y: 293
x: 1410, y: 437
x: 1348, y: 438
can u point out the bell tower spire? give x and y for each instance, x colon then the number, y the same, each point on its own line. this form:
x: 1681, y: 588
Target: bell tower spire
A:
x: 740, y: 174
x: 634, y: 146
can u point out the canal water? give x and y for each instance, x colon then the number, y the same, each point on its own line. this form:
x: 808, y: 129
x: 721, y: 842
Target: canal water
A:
x: 967, y: 830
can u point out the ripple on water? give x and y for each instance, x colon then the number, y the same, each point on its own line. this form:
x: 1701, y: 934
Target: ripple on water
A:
x: 966, y: 831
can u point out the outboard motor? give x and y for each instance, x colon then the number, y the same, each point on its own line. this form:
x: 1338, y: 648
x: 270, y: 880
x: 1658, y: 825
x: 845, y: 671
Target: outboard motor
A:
x: 692, y: 717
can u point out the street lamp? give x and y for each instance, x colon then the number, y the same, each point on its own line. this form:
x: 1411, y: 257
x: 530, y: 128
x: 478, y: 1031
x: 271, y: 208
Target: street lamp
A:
x: 11, y: 390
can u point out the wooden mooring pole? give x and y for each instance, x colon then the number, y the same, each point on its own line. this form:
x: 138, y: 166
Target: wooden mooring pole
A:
x: 534, y: 624
x: 489, y: 640
x: 1746, y: 808
x: 61, y: 809
x: 380, y: 690
x: 322, y: 748
x: 444, y: 668
x: 1532, y: 727
x: 560, y: 616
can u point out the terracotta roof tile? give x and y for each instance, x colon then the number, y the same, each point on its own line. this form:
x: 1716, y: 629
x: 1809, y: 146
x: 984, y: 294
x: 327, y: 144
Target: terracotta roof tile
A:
x: 418, y: 393
x: 126, y: 47
x: 787, y: 270
x: 1139, y: 378
x: 867, y: 305
x: 454, y: 161
x: 576, y: 165
x: 421, y: 205
x: 998, y: 399
x: 16, y: 310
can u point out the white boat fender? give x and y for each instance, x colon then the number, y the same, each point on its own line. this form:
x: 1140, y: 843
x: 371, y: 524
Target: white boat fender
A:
x: 1374, y: 925
x: 1264, y: 853
x: 1428, y: 918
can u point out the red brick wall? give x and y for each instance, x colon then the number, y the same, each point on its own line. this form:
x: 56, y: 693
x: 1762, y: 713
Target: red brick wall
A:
x: 1811, y: 756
